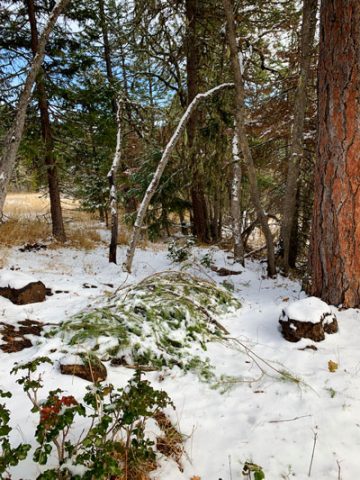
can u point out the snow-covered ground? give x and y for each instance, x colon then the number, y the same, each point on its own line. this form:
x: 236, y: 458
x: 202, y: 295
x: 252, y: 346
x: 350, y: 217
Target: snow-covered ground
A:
x: 263, y: 419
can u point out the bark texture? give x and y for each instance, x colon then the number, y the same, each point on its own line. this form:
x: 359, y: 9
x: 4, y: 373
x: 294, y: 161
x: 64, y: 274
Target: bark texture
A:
x: 335, y: 245
x: 241, y: 134
x: 297, y: 134
x: 113, y: 190
x: 201, y: 227
x: 160, y: 169
x: 14, y: 135
x: 235, y: 203
x: 58, y: 229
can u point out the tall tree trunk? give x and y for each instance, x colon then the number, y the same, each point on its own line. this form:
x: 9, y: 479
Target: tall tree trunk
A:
x: 297, y: 134
x: 235, y: 202
x: 335, y: 243
x: 160, y: 169
x: 14, y: 135
x: 241, y: 134
x: 46, y: 130
x: 201, y: 228
x: 107, y: 53
x: 113, y: 190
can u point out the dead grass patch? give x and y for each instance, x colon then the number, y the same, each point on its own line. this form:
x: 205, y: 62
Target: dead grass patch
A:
x: 18, y: 232
x: 84, y: 237
x: 34, y: 205
x: 170, y: 443
x: 21, y: 231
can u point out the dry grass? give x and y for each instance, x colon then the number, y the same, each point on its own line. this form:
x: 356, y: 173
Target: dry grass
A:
x: 15, y: 232
x: 170, y: 443
x: 36, y: 205
x: 19, y: 232
x: 27, y: 221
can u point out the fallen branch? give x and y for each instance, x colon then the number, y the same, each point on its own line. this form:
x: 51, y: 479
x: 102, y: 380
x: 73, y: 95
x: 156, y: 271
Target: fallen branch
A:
x: 289, y: 419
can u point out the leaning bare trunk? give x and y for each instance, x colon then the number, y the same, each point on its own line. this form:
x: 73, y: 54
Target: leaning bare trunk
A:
x: 335, y: 242
x: 160, y: 169
x: 241, y: 133
x: 113, y: 192
x: 297, y: 136
x: 14, y: 135
x: 235, y: 203
x: 51, y: 168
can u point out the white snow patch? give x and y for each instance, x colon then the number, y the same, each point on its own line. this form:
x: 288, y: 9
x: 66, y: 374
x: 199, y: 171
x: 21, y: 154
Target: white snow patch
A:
x: 14, y: 279
x: 310, y: 309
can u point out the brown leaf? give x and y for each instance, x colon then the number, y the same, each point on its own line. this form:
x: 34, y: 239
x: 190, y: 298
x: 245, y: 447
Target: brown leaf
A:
x: 332, y: 366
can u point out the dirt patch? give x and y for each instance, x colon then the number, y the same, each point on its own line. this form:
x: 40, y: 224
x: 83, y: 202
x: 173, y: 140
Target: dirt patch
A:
x: 33, y: 247
x: 14, y: 337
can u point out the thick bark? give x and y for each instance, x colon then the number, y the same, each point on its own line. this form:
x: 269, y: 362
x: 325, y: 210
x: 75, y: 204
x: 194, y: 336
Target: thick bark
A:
x: 235, y: 203
x: 297, y: 134
x: 335, y: 243
x: 201, y: 227
x: 113, y: 191
x: 160, y: 169
x: 241, y: 134
x: 14, y: 135
x: 58, y: 229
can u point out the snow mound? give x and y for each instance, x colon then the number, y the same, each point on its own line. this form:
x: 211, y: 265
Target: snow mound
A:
x: 311, y: 309
x: 14, y: 279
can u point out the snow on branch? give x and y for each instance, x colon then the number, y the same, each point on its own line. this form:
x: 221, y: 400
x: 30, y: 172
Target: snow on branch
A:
x: 160, y: 169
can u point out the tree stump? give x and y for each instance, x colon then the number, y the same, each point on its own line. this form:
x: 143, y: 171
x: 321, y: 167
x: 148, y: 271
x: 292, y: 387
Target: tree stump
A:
x: 308, y: 318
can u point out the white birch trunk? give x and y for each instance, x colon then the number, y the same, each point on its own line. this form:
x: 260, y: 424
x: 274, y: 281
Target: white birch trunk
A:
x: 160, y: 169
x: 14, y: 135
x: 113, y: 188
x: 235, y: 202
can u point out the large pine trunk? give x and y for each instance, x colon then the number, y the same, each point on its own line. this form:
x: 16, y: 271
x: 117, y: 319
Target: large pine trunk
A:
x: 201, y: 227
x: 334, y: 256
x: 46, y: 130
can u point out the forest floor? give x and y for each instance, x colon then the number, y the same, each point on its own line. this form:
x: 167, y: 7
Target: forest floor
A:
x: 287, y: 425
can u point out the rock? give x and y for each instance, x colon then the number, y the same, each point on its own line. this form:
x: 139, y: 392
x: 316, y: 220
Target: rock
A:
x: 307, y: 318
x: 33, y: 292
x: 86, y: 366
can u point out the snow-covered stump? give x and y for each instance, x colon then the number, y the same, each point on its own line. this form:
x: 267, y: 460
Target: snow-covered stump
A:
x: 308, y: 318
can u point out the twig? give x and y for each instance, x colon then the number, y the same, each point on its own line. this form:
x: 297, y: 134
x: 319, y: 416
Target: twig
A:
x: 312, y: 454
x: 339, y: 469
x: 230, y: 469
x: 290, y: 419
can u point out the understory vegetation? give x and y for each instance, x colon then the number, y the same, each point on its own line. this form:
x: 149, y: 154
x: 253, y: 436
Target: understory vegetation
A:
x: 114, y: 442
